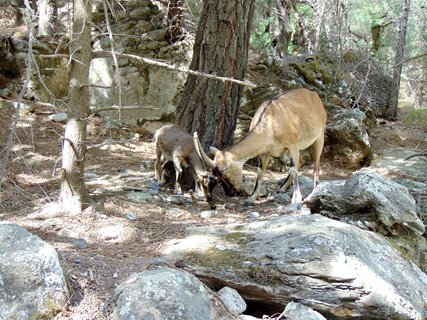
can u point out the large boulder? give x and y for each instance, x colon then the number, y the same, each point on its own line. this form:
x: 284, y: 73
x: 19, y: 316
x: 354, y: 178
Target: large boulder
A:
x: 347, y: 138
x: 166, y: 293
x: 32, y: 283
x: 369, y: 85
x: 339, y: 270
x: 370, y: 200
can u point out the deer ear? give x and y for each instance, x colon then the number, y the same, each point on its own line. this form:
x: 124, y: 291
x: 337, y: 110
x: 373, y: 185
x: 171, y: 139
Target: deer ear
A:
x: 214, y: 150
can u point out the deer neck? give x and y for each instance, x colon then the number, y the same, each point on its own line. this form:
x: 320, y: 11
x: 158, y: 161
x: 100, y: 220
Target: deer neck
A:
x: 249, y: 147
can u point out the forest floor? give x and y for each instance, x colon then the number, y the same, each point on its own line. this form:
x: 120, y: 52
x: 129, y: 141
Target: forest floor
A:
x: 121, y: 235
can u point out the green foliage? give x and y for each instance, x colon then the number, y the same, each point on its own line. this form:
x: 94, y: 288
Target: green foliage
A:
x: 417, y: 118
x: 260, y: 39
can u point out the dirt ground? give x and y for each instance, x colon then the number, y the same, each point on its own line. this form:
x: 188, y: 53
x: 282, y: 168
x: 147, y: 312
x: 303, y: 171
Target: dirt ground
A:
x: 122, y: 236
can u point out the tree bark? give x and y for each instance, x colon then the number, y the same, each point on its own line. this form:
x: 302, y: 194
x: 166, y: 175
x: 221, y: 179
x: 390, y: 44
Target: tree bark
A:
x: 391, y: 113
x: 74, y: 194
x: 209, y: 106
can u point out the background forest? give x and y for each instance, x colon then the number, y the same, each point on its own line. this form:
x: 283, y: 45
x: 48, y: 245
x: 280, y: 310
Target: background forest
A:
x: 84, y: 84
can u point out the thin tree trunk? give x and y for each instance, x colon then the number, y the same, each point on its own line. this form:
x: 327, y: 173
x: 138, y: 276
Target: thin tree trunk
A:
x: 320, y: 17
x: 300, y: 35
x: 47, y: 10
x: 74, y: 194
x: 221, y: 47
x: 285, y: 28
x: 421, y: 83
x: 391, y: 113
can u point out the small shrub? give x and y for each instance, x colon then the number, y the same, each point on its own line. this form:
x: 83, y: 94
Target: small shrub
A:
x: 416, y: 117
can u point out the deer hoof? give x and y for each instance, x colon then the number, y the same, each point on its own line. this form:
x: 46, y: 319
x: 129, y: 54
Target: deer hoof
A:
x: 249, y: 203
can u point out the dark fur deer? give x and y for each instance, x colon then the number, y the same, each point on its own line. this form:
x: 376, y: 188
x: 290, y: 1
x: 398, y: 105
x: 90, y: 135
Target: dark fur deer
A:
x: 176, y: 145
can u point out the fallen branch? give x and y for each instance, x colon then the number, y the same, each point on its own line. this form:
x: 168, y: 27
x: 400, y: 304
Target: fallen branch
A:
x: 422, y: 154
x: 100, y: 109
x: 109, y: 143
x: 107, y: 54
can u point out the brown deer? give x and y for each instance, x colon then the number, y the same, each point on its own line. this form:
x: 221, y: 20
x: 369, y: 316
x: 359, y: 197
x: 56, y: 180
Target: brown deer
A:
x: 290, y: 122
x: 176, y: 145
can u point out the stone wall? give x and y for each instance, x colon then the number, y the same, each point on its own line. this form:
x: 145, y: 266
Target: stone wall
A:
x: 138, y: 27
x: 141, y: 31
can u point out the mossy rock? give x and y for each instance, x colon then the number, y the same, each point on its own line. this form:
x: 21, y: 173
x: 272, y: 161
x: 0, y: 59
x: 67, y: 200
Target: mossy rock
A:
x: 307, y: 74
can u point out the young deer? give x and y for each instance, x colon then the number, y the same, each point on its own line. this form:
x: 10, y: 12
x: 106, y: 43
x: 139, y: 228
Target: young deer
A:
x: 176, y: 145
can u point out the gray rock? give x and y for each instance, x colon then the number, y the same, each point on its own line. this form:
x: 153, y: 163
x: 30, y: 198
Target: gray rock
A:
x: 164, y: 293
x: 207, y: 214
x: 282, y: 197
x: 332, y: 267
x: 114, y: 232
x: 139, y: 196
x: 153, y: 185
x: 33, y: 282
x: 298, y: 311
x: 132, y: 216
x: 178, y: 199
x: 52, y: 222
x: 372, y: 197
x: 67, y: 233
x: 392, y: 162
x: 81, y: 243
x: 25, y: 108
x: 306, y: 187
x: 253, y: 215
x: 59, y: 117
x: 350, y: 138
x: 232, y: 300
x: 293, y: 208
x: 411, y: 185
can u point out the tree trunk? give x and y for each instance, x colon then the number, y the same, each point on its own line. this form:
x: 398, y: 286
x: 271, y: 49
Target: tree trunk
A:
x: 209, y: 106
x: 74, y: 194
x: 420, y: 100
x: 320, y: 17
x: 300, y: 37
x: 376, y: 37
x: 285, y: 28
x: 391, y: 113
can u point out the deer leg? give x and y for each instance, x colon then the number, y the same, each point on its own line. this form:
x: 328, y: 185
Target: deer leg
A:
x: 261, y: 170
x: 287, y: 182
x: 198, y: 185
x: 158, y: 166
x: 293, y: 174
x: 178, y: 173
x: 318, y: 147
